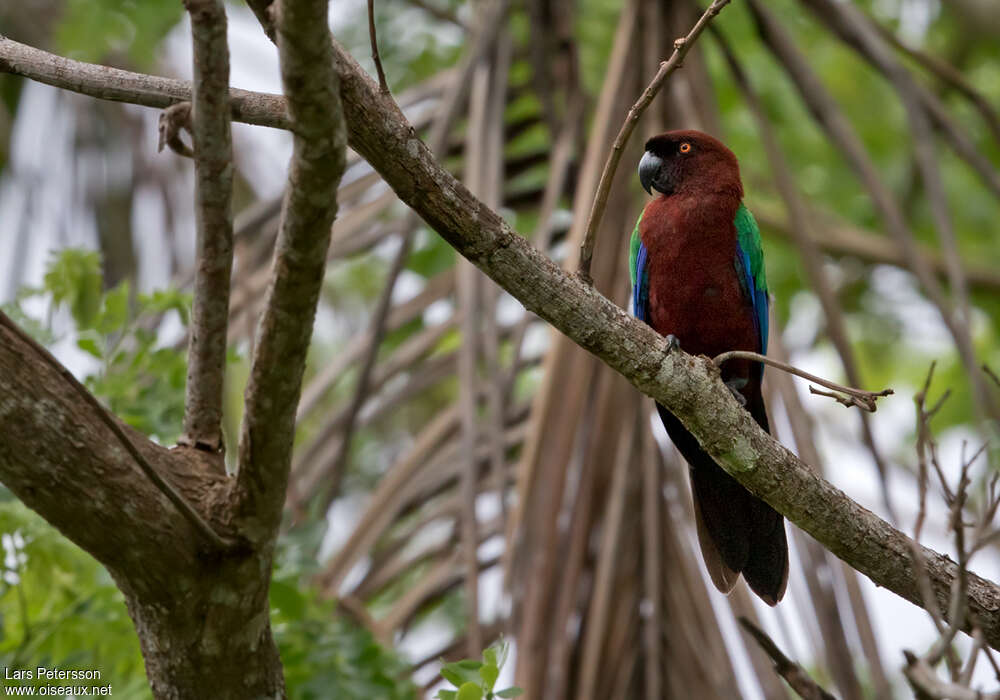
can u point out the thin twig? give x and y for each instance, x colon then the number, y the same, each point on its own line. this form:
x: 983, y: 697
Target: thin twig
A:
x: 849, y: 396
x: 919, y: 565
x: 681, y: 48
x: 185, y: 508
x: 383, y: 86
x: 928, y: 686
x: 794, y: 675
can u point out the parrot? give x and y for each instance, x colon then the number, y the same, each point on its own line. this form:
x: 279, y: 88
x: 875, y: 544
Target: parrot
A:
x: 697, y: 270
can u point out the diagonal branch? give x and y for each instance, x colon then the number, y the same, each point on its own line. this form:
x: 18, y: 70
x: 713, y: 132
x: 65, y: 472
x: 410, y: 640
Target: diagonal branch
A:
x: 794, y: 675
x: 33, y: 353
x: 213, y: 190
x: 308, y: 211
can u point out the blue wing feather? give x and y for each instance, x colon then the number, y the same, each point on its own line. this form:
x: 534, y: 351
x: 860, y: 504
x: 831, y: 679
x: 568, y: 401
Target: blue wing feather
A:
x: 640, y: 288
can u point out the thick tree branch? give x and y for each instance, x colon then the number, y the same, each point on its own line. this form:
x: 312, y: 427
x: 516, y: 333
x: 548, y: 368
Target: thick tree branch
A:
x: 308, y: 211
x: 57, y: 456
x: 213, y: 190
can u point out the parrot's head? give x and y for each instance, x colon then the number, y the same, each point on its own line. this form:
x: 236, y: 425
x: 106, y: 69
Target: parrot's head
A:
x: 690, y: 161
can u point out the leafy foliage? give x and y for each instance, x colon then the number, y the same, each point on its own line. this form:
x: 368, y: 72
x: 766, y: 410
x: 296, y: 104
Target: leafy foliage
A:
x: 475, y: 680
x: 60, y: 608
x: 90, y: 30
x: 141, y: 380
x: 324, y: 655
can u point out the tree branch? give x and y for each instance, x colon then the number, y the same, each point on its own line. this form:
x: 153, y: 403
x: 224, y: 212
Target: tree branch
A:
x: 383, y: 86
x: 308, y: 211
x: 117, y: 85
x: 74, y: 486
x: 681, y: 48
x: 213, y: 165
x: 794, y: 675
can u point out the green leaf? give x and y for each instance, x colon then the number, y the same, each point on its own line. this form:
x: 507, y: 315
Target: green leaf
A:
x: 454, y: 678
x: 511, y: 692
x: 490, y: 656
x: 89, y: 346
x: 489, y: 674
x: 469, y: 691
x: 74, y: 279
x: 114, y: 312
x: 446, y: 694
x: 287, y: 598
x: 459, y: 672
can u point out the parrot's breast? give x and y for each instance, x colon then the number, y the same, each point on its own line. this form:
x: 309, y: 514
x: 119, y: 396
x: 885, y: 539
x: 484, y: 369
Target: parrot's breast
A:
x: 695, y: 292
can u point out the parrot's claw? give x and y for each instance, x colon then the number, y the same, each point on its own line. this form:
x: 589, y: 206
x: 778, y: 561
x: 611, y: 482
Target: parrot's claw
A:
x: 673, y: 343
x: 735, y: 385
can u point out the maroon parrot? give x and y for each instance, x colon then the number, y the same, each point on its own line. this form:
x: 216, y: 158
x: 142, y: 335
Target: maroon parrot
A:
x: 698, y: 278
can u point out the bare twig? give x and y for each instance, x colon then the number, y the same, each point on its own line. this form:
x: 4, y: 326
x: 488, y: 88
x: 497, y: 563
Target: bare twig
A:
x: 310, y: 205
x: 794, y: 675
x: 681, y: 47
x: 928, y: 686
x: 213, y: 161
x: 846, y: 395
x: 919, y: 565
x: 383, y: 86
x: 185, y: 508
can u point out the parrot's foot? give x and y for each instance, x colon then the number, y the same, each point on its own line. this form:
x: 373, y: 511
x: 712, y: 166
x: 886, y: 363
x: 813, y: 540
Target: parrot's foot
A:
x: 735, y: 385
x: 673, y: 343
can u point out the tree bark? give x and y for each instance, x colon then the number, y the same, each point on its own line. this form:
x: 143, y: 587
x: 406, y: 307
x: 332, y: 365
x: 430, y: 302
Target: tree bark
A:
x: 201, y: 614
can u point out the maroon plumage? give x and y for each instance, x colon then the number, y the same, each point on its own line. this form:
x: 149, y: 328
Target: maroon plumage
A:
x: 696, y: 290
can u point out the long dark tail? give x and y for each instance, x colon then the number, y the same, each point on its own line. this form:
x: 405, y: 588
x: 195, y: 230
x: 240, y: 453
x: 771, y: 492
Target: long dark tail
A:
x: 737, y: 531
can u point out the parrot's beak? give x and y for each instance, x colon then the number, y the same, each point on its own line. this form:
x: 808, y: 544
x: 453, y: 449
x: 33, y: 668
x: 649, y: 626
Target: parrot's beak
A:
x: 649, y: 166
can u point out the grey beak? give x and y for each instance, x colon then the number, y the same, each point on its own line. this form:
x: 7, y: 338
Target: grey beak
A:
x: 649, y: 166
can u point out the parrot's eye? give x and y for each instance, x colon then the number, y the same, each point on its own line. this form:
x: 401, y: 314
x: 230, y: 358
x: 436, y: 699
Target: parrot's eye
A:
x: 685, y: 147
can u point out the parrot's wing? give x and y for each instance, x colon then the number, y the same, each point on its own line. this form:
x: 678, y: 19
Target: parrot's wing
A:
x: 750, y: 263
x: 638, y: 269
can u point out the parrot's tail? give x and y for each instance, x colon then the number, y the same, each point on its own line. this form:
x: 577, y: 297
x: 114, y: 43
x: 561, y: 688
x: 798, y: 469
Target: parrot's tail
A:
x: 737, y: 531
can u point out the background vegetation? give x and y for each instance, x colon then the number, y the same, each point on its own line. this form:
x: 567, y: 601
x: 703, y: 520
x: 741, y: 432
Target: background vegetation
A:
x: 372, y: 585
